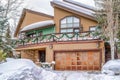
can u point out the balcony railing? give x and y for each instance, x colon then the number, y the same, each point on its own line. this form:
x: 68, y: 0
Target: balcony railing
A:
x: 56, y: 37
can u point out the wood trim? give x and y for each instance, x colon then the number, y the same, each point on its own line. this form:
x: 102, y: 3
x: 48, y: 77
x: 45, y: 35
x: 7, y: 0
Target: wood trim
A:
x: 77, y: 50
x: 36, y: 46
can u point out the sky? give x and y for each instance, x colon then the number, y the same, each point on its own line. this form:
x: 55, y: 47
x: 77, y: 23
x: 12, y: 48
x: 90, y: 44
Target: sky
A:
x: 44, y: 5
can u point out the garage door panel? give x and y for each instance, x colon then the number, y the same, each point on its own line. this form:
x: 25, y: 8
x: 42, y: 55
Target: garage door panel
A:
x: 90, y: 67
x: 68, y: 67
x: 87, y: 60
x: 79, y: 63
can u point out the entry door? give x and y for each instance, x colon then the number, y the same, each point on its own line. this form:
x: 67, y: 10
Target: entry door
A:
x: 42, y: 56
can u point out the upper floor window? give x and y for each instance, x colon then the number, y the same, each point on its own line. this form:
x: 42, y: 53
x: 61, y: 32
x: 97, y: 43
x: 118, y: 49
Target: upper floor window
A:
x: 92, y: 28
x: 70, y: 24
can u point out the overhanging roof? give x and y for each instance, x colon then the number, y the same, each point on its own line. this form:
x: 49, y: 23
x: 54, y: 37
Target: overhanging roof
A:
x: 41, y: 24
x: 74, y: 8
x: 80, y: 4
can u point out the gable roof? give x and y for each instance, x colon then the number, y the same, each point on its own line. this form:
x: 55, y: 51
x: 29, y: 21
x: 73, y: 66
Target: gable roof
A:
x: 75, y: 7
x: 41, y: 24
x: 23, y: 16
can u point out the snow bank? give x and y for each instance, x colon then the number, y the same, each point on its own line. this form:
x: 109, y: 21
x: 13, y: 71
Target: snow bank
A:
x: 9, y: 59
x: 24, y: 69
x: 112, y: 67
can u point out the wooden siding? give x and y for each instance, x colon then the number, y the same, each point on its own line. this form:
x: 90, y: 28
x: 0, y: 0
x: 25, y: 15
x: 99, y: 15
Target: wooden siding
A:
x: 60, y: 14
x: 50, y: 48
x: 30, y: 18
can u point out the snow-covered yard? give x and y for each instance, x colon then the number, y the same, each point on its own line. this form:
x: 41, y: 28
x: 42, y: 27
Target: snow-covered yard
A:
x: 24, y: 69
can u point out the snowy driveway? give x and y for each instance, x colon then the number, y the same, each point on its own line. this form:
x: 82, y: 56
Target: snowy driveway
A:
x: 74, y: 75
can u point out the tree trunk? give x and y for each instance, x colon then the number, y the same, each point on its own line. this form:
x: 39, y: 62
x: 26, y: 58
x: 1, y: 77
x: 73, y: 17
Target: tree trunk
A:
x: 112, y: 46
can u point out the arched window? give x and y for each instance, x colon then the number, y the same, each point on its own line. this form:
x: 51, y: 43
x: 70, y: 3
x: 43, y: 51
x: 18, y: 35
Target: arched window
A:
x: 70, y: 24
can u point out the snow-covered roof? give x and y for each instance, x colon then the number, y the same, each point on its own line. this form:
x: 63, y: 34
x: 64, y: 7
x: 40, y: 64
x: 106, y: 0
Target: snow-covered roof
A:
x: 36, y: 25
x: 74, y: 8
x: 80, y: 4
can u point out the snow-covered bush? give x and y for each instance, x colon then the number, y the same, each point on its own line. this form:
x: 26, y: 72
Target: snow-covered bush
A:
x: 112, y: 67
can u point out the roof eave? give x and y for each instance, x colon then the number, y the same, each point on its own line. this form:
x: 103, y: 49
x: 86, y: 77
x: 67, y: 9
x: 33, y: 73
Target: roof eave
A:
x: 39, y: 28
x: 20, y: 22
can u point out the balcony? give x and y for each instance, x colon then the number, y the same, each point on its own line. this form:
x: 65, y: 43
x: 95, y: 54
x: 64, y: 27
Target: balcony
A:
x: 56, y: 37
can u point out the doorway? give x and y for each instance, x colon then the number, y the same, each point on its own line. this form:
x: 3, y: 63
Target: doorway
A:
x: 42, y: 56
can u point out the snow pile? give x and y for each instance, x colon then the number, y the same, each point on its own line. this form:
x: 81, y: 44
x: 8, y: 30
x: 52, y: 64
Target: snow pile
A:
x: 112, y: 67
x: 9, y: 59
x: 24, y: 69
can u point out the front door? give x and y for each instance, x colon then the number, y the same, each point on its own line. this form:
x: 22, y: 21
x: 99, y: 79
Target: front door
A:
x: 42, y: 56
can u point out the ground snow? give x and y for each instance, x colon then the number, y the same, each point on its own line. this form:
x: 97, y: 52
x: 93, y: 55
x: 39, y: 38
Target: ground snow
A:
x: 112, y: 67
x: 24, y: 69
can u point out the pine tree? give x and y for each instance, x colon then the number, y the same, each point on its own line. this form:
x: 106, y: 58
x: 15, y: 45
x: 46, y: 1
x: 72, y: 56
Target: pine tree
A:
x: 8, y: 9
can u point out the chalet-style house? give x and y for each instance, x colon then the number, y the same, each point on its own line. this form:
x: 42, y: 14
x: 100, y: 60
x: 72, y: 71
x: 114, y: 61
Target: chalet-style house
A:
x: 64, y: 38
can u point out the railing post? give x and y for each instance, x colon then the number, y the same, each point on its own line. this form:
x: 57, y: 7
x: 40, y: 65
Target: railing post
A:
x: 77, y: 35
x: 23, y: 43
x: 53, y: 38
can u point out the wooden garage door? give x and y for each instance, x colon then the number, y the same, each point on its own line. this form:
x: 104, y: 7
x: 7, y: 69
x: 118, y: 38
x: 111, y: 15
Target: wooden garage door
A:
x: 85, y: 60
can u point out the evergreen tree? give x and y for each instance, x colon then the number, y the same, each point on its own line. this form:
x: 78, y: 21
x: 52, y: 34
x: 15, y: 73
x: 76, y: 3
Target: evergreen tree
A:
x: 8, y: 11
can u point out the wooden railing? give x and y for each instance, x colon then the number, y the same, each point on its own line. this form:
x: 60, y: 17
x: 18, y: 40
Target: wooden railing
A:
x: 56, y: 37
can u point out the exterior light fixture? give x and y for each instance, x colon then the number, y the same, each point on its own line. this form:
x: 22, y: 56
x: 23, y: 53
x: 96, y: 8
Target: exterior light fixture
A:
x: 50, y: 46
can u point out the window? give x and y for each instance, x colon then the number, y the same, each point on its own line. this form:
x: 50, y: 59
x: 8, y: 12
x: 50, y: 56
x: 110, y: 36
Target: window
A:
x: 33, y: 33
x: 70, y: 24
x: 92, y: 28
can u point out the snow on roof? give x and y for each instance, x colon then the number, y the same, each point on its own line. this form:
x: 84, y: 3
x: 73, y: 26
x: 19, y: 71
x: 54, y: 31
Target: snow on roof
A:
x: 74, y: 7
x: 81, y: 4
x: 36, y: 25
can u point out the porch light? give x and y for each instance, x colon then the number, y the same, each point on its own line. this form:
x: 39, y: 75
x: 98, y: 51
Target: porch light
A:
x: 50, y: 46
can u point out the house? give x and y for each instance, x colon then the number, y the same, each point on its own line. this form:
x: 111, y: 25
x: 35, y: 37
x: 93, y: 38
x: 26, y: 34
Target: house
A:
x: 64, y: 38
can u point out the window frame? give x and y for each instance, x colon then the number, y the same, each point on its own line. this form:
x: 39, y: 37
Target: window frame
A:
x: 67, y: 23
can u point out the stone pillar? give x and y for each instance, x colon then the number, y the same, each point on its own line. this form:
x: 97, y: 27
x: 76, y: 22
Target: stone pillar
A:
x: 49, y: 54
